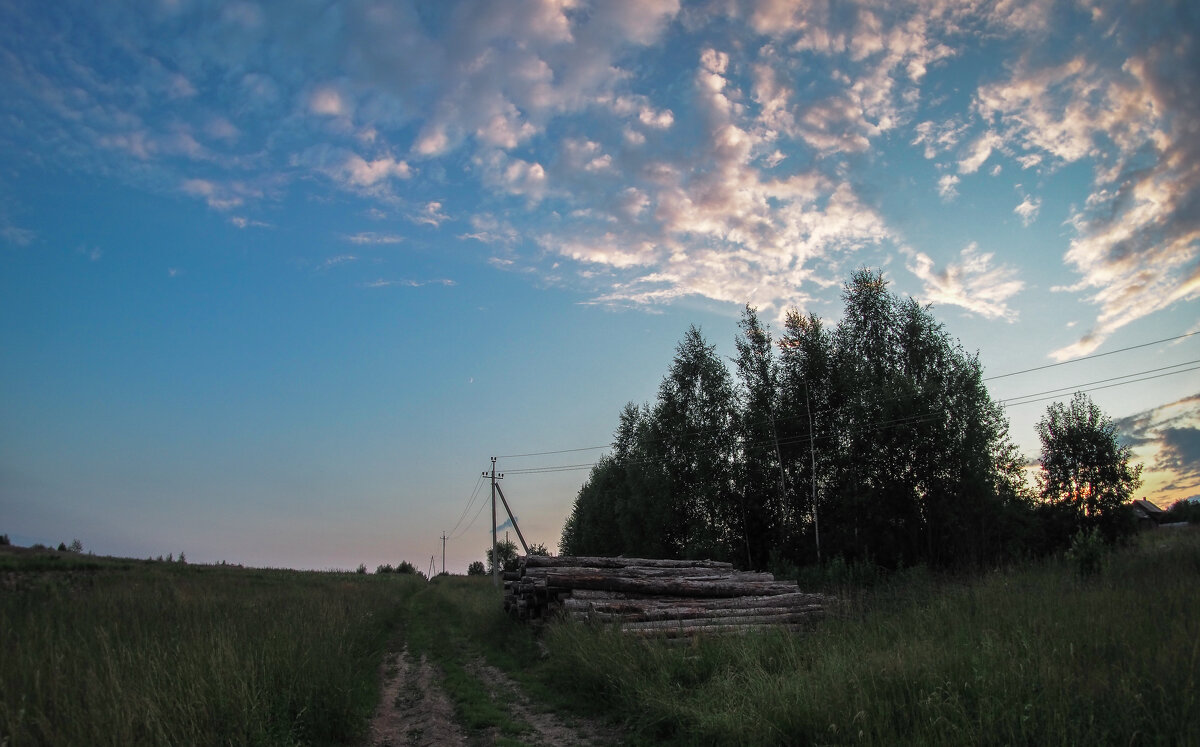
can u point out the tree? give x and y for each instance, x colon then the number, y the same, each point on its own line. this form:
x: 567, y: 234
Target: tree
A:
x: 506, y: 551
x: 693, y: 429
x: 760, y: 478
x: 476, y: 568
x: 539, y: 549
x: 1085, y: 468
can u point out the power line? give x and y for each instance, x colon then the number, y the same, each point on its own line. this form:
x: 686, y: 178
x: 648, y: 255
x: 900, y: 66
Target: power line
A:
x: 467, y: 509
x: 1107, y: 386
x: 546, y: 453
x: 903, y: 421
x: 1068, y: 389
x: 1090, y: 357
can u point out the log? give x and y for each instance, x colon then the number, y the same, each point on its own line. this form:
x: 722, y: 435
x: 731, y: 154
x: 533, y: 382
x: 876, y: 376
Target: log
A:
x: 679, y: 613
x: 639, y: 572
x: 542, y: 561
x: 602, y: 600
x: 669, y: 587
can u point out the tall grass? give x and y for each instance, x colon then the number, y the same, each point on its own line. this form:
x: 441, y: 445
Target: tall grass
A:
x: 167, y: 654
x: 1038, y: 655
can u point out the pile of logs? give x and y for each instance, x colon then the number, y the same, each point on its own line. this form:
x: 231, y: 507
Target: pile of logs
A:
x: 656, y: 597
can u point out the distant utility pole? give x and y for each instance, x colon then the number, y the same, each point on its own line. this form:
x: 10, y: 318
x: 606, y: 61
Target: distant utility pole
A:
x: 443, y: 552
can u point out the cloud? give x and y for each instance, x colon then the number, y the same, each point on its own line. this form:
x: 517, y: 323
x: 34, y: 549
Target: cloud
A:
x: 938, y: 138
x: 371, y: 237
x: 1128, y: 107
x: 978, y: 152
x: 973, y: 283
x: 1169, y: 436
x: 381, y: 283
x: 243, y: 222
x: 430, y: 214
x: 1028, y: 209
x: 219, y: 196
x: 332, y: 262
x: 17, y: 236
x: 946, y: 187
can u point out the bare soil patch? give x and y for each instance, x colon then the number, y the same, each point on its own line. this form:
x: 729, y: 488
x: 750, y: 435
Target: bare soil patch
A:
x: 413, y: 709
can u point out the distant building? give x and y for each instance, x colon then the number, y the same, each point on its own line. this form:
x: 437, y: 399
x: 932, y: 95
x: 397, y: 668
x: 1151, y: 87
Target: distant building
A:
x: 1148, y: 515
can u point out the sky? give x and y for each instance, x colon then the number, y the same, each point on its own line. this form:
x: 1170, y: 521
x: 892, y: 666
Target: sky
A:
x: 277, y: 279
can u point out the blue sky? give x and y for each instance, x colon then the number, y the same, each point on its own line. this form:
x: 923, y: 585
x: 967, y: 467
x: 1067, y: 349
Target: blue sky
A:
x: 277, y: 279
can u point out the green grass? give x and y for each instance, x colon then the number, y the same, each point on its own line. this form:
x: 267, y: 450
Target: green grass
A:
x: 1030, y: 656
x: 98, y: 651
x: 456, y: 620
x: 139, y: 653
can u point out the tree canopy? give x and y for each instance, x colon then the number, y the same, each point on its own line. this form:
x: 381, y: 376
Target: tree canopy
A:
x: 872, y: 439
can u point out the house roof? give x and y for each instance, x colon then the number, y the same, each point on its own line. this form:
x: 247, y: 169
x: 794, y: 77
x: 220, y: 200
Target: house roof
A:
x: 1148, y: 507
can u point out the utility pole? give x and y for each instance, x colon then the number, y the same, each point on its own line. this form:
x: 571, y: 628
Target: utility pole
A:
x: 495, y: 557
x: 812, y: 450
x: 443, y: 552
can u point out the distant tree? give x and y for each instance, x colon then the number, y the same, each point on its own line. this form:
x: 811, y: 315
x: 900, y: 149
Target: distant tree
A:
x: 75, y: 546
x: 539, y: 549
x: 1185, y: 509
x: 1085, y: 468
x: 182, y: 559
x: 62, y: 546
x: 406, y: 567
x: 476, y: 568
x: 4, y: 540
x: 362, y: 567
x: 385, y: 568
x: 507, y: 553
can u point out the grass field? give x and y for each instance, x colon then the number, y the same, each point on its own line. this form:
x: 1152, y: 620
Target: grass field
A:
x: 108, y: 652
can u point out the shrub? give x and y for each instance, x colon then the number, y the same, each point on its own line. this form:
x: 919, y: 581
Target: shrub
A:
x: 476, y: 569
x: 1087, y: 551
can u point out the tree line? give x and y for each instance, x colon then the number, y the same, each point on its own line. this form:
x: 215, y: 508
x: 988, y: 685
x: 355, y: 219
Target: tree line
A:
x: 872, y: 440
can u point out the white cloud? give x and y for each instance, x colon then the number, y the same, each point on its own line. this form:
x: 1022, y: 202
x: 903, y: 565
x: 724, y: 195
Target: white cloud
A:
x: 328, y: 101
x: 1028, y: 209
x: 340, y: 259
x: 973, y: 283
x: 218, y: 196
x: 243, y: 222
x: 978, y: 152
x: 370, y: 237
x: 16, y: 235
x: 947, y: 187
x: 430, y: 214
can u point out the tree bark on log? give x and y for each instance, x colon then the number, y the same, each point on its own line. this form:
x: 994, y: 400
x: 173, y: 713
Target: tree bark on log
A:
x: 669, y: 587
x: 542, y: 561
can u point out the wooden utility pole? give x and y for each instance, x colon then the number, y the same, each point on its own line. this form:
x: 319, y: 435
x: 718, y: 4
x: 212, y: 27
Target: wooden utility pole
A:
x: 812, y: 450
x: 495, y: 555
x: 443, y: 552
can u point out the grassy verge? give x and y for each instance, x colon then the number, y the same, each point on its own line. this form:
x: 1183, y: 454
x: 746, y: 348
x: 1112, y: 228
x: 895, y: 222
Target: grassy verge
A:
x: 136, y: 653
x: 1036, y: 655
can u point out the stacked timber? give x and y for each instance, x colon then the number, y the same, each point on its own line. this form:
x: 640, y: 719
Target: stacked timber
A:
x: 656, y: 597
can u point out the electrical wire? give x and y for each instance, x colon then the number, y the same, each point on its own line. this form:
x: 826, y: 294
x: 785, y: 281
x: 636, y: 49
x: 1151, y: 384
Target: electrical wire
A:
x: 467, y: 508
x: 907, y: 420
x: 1069, y: 389
x: 1090, y: 357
